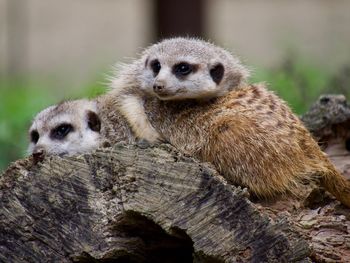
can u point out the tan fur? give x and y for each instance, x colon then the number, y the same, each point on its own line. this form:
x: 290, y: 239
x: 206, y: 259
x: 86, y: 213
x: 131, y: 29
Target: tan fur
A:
x: 128, y: 101
x: 252, y: 138
x: 114, y: 127
x: 133, y: 108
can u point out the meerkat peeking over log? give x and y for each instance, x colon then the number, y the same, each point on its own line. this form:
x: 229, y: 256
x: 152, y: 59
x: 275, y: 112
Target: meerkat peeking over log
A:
x: 77, y: 126
x: 67, y: 128
x: 193, y: 95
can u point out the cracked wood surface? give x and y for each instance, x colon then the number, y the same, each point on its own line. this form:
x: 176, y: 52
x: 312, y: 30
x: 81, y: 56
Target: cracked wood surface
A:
x: 134, y: 204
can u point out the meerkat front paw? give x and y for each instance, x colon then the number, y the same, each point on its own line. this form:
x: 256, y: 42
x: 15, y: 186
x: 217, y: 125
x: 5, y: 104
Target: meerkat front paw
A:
x: 150, y: 134
x: 150, y: 137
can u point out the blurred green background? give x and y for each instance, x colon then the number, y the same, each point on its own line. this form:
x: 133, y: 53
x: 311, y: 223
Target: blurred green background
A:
x: 54, y: 50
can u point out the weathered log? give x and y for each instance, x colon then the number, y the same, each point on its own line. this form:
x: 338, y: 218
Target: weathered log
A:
x: 329, y: 121
x: 135, y: 204
x: 325, y: 113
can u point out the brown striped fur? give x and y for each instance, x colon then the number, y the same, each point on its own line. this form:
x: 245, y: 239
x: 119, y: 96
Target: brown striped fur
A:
x: 268, y: 151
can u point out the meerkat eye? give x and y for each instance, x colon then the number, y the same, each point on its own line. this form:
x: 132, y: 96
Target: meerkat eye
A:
x: 155, y: 66
x: 61, y: 131
x: 183, y: 69
x: 34, y: 136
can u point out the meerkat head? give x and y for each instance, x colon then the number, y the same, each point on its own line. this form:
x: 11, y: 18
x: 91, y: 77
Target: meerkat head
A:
x: 67, y: 128
x: 187, y: 68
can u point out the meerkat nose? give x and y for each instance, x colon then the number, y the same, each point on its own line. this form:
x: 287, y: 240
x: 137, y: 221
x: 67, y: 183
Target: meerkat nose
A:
x: 38, y: 154
x: 38, y: 151
x: 158, y: 88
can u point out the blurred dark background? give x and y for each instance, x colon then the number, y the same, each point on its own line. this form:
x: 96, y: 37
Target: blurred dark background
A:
x: 54, y: 50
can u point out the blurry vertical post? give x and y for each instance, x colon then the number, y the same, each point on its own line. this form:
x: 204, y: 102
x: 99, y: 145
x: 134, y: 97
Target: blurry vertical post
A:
x: 179, y: 18
x: 17, y: 37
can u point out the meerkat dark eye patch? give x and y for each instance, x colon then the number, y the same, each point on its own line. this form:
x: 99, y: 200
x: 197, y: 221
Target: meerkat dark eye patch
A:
x: 324, y: 100
x: 61, y: 131
x: 155, y: 66
x: 217, y: 73
x: 34, y: 136
x: 347, y: 144
x: 183, y: 69
x: 94, y: 122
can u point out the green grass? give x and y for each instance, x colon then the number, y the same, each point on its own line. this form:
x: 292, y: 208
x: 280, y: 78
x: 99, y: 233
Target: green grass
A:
x: 299, y: 86
x: 17, y: 107
x: 300, y: 83
x: 296, y: 82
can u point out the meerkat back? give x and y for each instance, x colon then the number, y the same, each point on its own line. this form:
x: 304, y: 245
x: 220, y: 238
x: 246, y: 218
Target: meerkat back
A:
x: 252, y: 138
x: 268, y: 145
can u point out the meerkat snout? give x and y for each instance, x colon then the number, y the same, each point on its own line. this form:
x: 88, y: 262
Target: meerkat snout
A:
x: 158, y: 87
x: 163, y: 90
x: 161, y: 81
x: 38, y: 154
x: 39, y: 149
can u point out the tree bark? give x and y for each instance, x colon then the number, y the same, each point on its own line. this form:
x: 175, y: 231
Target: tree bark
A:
x: 329, y: 121
x: 135, y: 204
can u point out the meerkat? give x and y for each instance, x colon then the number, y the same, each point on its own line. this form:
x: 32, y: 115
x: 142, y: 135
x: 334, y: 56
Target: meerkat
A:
x: 77, y: 126
x: 177, y: 69
x: 248, y: 133
x: 67, y: 128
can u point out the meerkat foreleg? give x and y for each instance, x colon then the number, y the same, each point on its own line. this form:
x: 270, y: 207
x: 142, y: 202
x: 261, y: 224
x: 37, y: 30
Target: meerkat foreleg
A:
x: 133, y: 110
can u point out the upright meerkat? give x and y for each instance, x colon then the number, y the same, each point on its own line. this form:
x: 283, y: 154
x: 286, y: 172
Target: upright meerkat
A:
x: 250, y: 135
x: 77, y: 126
x: 175, y: 69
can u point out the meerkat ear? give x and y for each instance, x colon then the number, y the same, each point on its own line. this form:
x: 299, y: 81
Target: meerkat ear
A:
x: 94, y: 122
x: 217, y: 73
